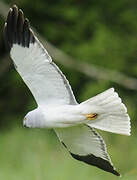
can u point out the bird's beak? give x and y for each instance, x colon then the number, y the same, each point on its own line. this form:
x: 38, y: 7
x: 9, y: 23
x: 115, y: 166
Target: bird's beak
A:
x: 24, y: 123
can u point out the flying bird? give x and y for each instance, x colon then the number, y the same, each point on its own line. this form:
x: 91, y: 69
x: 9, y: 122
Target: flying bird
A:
x: 57, y: 107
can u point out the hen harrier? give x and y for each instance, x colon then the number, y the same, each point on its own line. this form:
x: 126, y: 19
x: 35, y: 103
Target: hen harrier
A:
x: 57, y: 107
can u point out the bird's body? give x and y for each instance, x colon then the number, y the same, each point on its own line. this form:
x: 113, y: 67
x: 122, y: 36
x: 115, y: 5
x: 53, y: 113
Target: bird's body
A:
x: 57, y: 107
x: 55, y: 116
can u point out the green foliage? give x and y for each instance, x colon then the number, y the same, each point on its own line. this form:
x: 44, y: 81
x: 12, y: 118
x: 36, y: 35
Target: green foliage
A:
x: 98, y: 32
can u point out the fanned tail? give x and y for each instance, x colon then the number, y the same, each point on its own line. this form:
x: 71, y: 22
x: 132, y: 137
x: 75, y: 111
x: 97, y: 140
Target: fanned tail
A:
x: 110, y: 113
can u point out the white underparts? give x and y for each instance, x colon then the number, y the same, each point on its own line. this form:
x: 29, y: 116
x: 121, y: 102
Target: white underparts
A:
x: 104, y: 111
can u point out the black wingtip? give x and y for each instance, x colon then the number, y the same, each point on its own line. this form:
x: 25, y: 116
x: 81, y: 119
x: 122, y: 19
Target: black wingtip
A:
x: 6, y: 40
x: 15, y: 6
x: 96, y: 161
x: 17, y: 29
x: 116, y: 173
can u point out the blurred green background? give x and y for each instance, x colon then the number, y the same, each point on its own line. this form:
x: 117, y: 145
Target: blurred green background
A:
x: 101, y: 33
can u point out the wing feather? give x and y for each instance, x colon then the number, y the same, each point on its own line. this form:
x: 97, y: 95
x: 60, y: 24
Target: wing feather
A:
x: 85, y: 144
x: 45, y: 80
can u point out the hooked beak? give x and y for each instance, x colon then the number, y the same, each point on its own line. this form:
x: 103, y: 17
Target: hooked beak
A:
x: 24, y: 123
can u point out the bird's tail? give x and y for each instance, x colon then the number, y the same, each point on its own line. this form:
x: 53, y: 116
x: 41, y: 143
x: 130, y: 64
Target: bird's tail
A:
x: 105, y: 111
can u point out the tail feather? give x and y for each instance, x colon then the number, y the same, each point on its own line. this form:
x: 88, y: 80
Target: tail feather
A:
x: 111, y: 112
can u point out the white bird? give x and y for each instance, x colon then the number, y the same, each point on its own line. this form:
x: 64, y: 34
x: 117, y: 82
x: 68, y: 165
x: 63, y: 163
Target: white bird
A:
x: 57, y: 107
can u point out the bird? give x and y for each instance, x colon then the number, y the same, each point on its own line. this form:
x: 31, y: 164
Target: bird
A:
x: 74, y: 123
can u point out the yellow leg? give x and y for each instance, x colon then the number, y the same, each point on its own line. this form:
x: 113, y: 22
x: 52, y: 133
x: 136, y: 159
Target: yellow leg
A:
x: 91, y: 116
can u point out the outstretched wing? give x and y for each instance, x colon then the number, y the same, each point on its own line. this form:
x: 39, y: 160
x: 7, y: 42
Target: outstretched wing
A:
x: 45, y: 80
x: 85, y: 144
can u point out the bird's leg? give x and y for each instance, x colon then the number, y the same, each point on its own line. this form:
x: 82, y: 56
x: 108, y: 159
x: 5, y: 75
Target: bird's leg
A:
x: 91, y: 116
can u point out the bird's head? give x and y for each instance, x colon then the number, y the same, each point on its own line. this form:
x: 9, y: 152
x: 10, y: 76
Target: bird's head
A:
x: 33, y: 119
x: 28, y: 120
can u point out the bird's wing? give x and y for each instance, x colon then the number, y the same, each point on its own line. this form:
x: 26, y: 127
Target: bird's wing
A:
x: 85, y: 144
x: 45, y: 80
